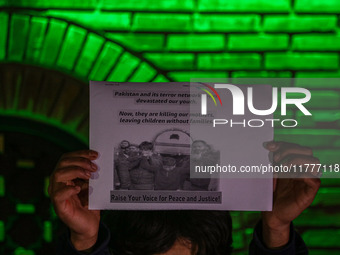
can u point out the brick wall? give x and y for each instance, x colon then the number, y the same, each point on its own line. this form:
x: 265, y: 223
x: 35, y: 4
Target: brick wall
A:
x: 209, y: 39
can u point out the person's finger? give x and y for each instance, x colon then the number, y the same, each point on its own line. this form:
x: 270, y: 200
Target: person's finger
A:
x: 311, y: 188
x: 275, y: 146
x: 70, y: 173
x: 81, y: 182
x: 84, y: 194
x: 286, y: 150
x: 274, y: 182
x: 89, y: 154
x: 77, y: 161
x: 313, y: 184
x: 65, y: 193
x: 71, y: 168
x: 272, y: 146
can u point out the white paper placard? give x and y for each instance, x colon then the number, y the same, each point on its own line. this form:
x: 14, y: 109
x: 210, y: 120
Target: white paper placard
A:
x: 124, y: 115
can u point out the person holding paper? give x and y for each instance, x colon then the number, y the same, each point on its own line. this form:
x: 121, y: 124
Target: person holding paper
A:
x: 207, y: 232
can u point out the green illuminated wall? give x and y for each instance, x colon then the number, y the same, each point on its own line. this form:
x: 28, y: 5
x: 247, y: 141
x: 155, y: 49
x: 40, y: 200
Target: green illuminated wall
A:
x: 175, y: 40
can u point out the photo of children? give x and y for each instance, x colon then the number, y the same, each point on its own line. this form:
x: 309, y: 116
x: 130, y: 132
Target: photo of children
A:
x: 164, y: 163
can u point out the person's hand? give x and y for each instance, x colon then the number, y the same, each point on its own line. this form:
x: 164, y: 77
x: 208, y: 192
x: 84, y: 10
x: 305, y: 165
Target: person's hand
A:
x: 291, y: 195
x: 68, y: 190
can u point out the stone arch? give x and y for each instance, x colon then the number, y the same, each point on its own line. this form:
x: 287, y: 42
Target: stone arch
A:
x: 46, y: 63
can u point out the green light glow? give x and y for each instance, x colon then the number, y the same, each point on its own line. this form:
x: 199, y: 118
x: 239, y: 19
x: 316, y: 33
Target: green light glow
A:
x: 161, y: 23
x: 36, y: 38
x: 260, y: 74
x: 22, y: 251
x: 307, y: 132
x: 198, y: 42
x: 326, y: 238
x: 324, y: 116
x: 249, y: 231
x: 141, y: 5
x: 71, y: 46
x: 2, y: 186
x: 258, y: 42
x: 105, y: 61
x: 3, y: 34
x: 172, y: 61
x: 143, y: 73
x: 18, y: 37
x: 127, y: 63
x: 139, y: 42
x: 48, y: 231
x: 248, y: 6
x: 327, y: 197
x: 238, y: 240
x: 53, y: 214
x: 46, y: 184
x: 25, y: 208
x: 329, y: 191
x: 88, y: 54
x: 309, y: 137
x: 160, y: 78
x: 236, y: 219
x: 95, y: 20
x: 192, y: 76
x: 25, y: 163
x: 2, y: 231
x: 317, y: 218
x: 53, y: 40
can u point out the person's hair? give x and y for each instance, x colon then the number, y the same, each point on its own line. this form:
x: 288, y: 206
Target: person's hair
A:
x: 201, y: 141
x: 122, y: 146
x: 169, y: 161
x: 154, y: 232
x: 146, y: 146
